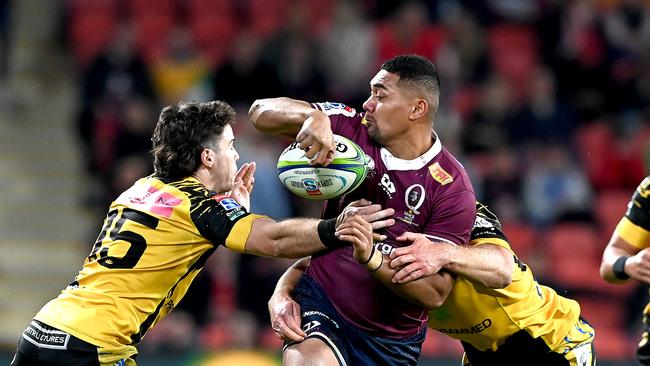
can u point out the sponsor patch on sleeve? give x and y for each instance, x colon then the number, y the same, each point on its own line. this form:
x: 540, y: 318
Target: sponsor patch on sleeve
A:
x: 232, y: 207
x: 335, y: 108
x: 439, y: 174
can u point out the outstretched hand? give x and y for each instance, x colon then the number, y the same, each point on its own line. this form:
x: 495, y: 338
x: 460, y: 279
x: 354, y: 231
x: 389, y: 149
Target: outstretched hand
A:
x: 243, y: 185
x: 422, y: 258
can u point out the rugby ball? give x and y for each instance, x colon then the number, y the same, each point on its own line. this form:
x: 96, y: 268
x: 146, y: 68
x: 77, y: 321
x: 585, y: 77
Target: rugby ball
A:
x: 344, y: 174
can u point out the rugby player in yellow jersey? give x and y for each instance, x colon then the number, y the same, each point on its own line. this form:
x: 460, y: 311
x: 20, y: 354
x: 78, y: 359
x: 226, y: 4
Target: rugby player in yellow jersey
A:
x: 157, y: 236
x: 522, y: 323
x: 627, y: 255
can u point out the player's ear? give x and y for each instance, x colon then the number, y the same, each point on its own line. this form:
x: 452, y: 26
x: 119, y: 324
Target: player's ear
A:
x: 418, y: 109
x: 207, y: 157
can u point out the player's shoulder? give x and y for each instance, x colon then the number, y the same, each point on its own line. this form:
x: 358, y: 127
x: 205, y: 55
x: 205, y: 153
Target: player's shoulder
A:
x: 638, y: 210
x: 448, y: 172
x: 486, y: 225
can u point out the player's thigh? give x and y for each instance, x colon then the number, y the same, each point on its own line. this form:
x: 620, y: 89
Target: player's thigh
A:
x: 310, y: 352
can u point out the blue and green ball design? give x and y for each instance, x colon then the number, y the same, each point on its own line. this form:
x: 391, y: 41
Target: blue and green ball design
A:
x: 344, y: 174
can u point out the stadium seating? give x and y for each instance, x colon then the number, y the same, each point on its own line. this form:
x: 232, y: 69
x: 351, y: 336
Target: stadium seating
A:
x: 513, y: 53
x: 609, y: 208
x: 522, y: 237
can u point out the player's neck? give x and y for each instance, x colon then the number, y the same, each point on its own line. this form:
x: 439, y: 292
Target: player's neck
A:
x: 411, y: 147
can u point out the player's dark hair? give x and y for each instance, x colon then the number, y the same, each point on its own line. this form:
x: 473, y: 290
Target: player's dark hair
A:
x: 183, y: 131
x: 415, y: 70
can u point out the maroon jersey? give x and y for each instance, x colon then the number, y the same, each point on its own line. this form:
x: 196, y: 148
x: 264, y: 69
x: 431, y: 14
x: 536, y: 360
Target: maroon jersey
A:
x: 431, y: 195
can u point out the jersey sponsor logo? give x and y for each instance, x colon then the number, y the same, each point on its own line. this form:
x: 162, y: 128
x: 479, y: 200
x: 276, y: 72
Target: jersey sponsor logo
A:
x: 232, y: 207
x: 387, y: 186
x: 439, y: 174
x: 46, y: 338
x: 150, y: 199
x: 336, y: 108
x: 476, y: 328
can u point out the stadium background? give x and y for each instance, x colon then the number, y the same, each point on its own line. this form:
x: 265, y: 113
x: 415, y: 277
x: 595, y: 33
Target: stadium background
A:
x: 546, y: 102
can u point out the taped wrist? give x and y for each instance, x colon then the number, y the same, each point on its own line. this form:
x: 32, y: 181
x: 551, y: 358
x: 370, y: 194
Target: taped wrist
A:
x: 326, y: 230
x: 375, y: 260
x: 619, y: 268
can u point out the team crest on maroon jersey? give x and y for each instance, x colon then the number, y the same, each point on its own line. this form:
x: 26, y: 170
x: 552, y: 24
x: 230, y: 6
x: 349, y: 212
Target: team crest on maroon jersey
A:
x: 413, y: 197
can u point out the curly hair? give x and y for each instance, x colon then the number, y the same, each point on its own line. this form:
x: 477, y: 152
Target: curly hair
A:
x: 183, y: 131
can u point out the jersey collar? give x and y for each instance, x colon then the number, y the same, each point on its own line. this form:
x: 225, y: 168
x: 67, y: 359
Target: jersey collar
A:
x: 393, y: 163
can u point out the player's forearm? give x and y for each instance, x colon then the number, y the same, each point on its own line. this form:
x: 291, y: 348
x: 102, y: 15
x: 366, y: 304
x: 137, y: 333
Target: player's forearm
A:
x: 616, y: 249
x: 428, y: 292
x: 489, y: 265
x: 290, y: 277
x: 282, y: 116
x: 293, y: 238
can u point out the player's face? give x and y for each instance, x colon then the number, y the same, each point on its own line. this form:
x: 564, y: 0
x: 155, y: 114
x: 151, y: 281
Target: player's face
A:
x: 226, y: 157
x: 387, y: 108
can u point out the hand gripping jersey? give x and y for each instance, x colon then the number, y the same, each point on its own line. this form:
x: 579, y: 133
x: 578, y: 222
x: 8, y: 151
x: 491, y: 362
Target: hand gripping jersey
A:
x: 485, y: 317
x: 155, y: 240
x: 430, y: 194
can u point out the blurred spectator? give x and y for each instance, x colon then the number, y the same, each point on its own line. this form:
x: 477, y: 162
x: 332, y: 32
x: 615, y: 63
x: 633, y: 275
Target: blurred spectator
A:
x: 181, y: 73
x: 294, y: 55
x: 137, y: 124
x: 407, y: 31
x: 244, y: 77
x: 485, y: 131
x: 503, y: 183
x: 116, y: 75
x: 554, y: 186
x: 543, y: 118
x: 351, y: 39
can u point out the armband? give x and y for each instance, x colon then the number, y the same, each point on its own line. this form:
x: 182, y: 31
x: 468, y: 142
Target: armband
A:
x: 326, y: 230
x: 375, y: 260
x: 619, y: 268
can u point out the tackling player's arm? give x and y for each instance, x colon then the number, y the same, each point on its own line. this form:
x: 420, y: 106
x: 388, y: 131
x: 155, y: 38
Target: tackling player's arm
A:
x: 297, y: 238
x: 296, y: 118
x: 627, y: 254
x: 429, y: 293
x: 487, y: 260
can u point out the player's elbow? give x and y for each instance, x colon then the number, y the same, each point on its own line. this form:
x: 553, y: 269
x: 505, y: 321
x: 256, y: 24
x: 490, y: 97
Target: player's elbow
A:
x: 434, y: 302
x: 501, y: 279
x: 255, y: 112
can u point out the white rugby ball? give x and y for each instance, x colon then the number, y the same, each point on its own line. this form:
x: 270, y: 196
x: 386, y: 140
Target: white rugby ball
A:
x: 344, y: 174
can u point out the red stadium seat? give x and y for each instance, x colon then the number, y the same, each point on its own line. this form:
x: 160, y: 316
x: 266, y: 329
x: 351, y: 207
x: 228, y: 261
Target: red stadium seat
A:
x: 574, y: 256
x: 137, y: 8
x: 522, y: 237
x: 210, y: 7
x: 610, y: 206
x: 91, y: 34
x: 606, y: 316
x: 214, y: 36
x: 426, y: 43
x: 601, y: 155
x: 152, y: 34
x: 266, y: 16
x: 513, y: 53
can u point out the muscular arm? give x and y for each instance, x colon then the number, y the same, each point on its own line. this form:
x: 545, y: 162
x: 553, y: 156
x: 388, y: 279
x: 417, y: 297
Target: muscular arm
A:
x: 293, y: 238
x: 283, y: 116
x: 295, y: 118
x: 487, y: 264
x: 284, y: 312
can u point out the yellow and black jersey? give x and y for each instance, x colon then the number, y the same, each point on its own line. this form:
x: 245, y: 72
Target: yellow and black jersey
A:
x: 155, y: 240
x: 634, y: 227
x: 485, y: 317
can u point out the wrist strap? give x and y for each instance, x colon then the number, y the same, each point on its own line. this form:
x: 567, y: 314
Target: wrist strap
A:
x: 326, y: 230
x: 619, y: 268
x: 375, y: 260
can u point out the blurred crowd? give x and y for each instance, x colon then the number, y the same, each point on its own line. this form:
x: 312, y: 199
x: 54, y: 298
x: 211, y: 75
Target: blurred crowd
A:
x: 546, y: 103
